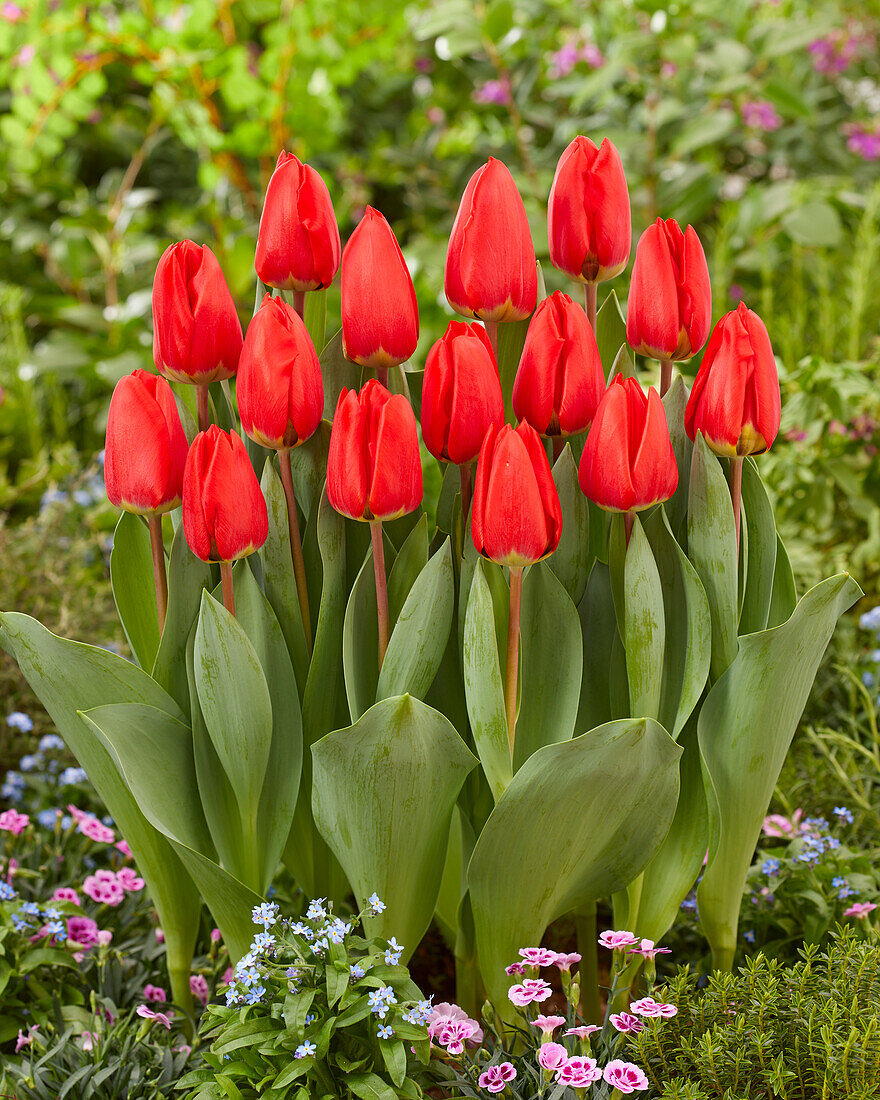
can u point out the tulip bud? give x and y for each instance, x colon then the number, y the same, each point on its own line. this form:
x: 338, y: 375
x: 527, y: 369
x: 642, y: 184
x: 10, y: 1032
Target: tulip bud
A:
x: 669, y: 309
x: 374, y: 471
x: 298, y: 246
x: 560, y: 381
x: 224, y: 513
x: 146, y: 449
x: 461, y: 394
x: 516, y: 518
x: 380, y: 315
x: 628, y: 463
x: 196, y: 331
x: 279, y: 387
x: 490, y: 262
x: 735, y: 399
x: 588, y: 215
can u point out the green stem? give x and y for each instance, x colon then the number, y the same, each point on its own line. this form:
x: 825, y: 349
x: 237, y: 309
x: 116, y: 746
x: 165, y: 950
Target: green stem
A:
x: 228, y: 592
x: 296, y: 550
x: 384, y: 619
x: 492, y: 332
x: 722, y: 957
x: 464, y: 471
x: 736, y: 485
x: 629, y: 519
x: 558, y: 447
x: 591, y: 300
x: 202, y: 402
x: 382, y: 375
x: 161, y: 577
x: 467, y: 985
x: 588, y: 948
x: 516, y: 576
x: 299, y: 302
x: 178, y: 961
x: 665, y: 375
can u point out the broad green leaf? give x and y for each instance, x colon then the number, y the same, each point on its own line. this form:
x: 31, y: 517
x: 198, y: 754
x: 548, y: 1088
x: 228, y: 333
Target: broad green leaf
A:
x: 688, y: 627
x: 235, y: 702
x: 511, y: 340
x: 368, y: 1086
x: 571, y: 559
x: 187, y: 576
x: 551, y: 650
x: 450, y: 488
x: 278, y: 577
x: 134, y: 589
x: 421, y: 632
x: 69, y: 677
x: 155, y: 755
x: 622, y: 364
x: 484, y: 687
x: 610, y: 330
x: 281, y: 784
x: 815, y: 224
x: 761, y: 528
x: 315, y: 316
x: 338, y: 373
x: 784, y: 597
x: 745, y: 729
x: 675, y: 403
x: 579, y: 820
x: 598, y: 629
x: 643, y: 628
x: 382, y: 797
x: 360, y: 642
x: 44, y: 956
x: 308, y: 466
x: 408, y: 564
x: 672, y: 872
x: 712, y: 551
x: 498, y: 587
x: 394, y: 1057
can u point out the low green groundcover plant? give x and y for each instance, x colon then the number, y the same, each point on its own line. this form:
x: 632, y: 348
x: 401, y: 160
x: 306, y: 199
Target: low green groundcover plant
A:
x: 800, y: 1033
x: 314, y: 1010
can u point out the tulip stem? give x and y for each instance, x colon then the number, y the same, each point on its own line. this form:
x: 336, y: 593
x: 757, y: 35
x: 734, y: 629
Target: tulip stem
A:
x: 492, y: 332
x: 204, y: 414
x: 736, y: 488
x: 591, y: 300
x: 228, y: 593
x: 382, y: 376
x: 464, y: 471
x: 384, y: 619
x: 665, y: 375
x: 558, y: 446
x: 629, y: 519
x: 299, y: 302
x: 155, y: 524
x: 516, y: 578
x: 296, y: 550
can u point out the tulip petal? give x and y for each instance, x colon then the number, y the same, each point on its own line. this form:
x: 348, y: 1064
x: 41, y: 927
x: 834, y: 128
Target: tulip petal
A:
x: 347, y: 458
x: 695, y: 292
x: 514, y: 526
x: 652, y: 314
x: 141, y: 472
x: 396, y: 486
x: 604, y: 473
x: 654, y: 470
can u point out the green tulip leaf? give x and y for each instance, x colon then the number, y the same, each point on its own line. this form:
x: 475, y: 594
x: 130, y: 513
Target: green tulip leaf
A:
x: 421, y: 632
x: 69, y: 677
x: 784, y: 597
x: 688, y: 627
x: 598, y: 629
x: 761, y: 527
x: 235, y: 701
x: 610, y: 331
x: 187, y: 576
x: 308, y: 467
x: 315, y: 316
x: 337, y: 372
x: 571, y: 560
x: 551, y: 664
x: 643, y: 626
x: 278, y: 577
x: 483, y: 685
x: 134, y: 587
x: 382, y: 796
x: 360, y: 642
x: 511, y: 340
x: 622, y: 364
x: 579, y: 820
x: 408, y: 564
x: 675, y: 402
x: 712, y: 551
x: 746, y: 725
x: 450, y: 488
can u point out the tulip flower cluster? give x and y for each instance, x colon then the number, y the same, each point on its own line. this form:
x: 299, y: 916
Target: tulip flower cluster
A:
x: 577, y: 608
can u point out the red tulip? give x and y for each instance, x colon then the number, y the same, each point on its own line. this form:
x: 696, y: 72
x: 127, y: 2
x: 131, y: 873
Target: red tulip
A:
x: 461, y: 394
x: 224, y: 513
x: 670, y: 297
x: 588, y: 216
x: 146, y: 449
x: 628, y: 463
x: 196, y: 330
x: 298, y: 247
x: 373, y: 467
x: 380, y: 315
x: 516, y: 518
x: 735, y: 400
x: 560, y: 381
x: 279, y: 387
x: 490, y: 262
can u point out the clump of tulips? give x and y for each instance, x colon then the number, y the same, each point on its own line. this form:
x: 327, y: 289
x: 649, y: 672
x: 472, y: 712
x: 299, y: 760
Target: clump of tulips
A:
x: 586, y: 676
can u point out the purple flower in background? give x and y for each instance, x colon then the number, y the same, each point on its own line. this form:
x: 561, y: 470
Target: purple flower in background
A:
x: 564, y: 60
x: 11, y: 13
x: 864, y: 143
x: 493, y: 91
x: 834, y: 53
x: 760, y: 115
